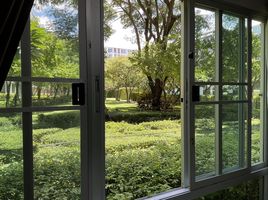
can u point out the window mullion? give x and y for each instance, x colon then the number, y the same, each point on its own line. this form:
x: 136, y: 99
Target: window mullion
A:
x: 241, y: 108
x: 218, y: 116
x: 27, y: 116
x: 249, y: 58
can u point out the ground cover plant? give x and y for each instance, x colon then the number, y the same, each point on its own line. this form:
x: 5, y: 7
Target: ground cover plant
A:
x: 142, y: 159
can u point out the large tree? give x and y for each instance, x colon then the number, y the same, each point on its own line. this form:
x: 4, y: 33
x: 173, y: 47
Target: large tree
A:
x: 153, y: 22
x: 66, y: 18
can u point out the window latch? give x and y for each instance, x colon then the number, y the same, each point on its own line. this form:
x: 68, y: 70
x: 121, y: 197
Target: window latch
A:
x: 195, y: 93
x: 78, y: 94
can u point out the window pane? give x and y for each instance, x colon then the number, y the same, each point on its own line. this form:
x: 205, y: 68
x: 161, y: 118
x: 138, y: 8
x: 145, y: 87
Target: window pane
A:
x: 257, y: 89
x: 56, y: 139
x: 10, y: 95
x: 207, y: 92
x: 11, y: 156
x: 233, y: 33
x: 54, y: 39
x: 234, y: 134
x: 234, y: 92
x: 247, y: 190
x: 205, y: 127
x: 51, y: 94
x: 205, y: 45
x: 15, y: 70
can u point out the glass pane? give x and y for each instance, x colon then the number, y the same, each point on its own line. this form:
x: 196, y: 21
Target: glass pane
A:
x: 207, y: 92
x: 234, y: 92
x: 10, y: 95
x: 205, y: 45
x: 142, y: 105
x: 247, y: 190
x: 257, y: 89
x: 54, y: 39
x: 205, y: 127
x: 11, y: 156
x: 232, y: 49
x: 56, y: 139
x: 51, y: 94
x: 15, y: 70
x: 234, y: 134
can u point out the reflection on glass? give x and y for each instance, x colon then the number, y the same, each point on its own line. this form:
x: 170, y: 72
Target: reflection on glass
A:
x: 234, y: 92
x: 11, y: 156
x: 56, y: 139
x: 246, y: 190
x: 54, y: 39
x: 234, y: 130
x: 10, y: 95
x: 51, y: 94
x: 205, y: 127
x: 257, y: 89
x: 205, y: 45
x: 207, y: 92
x: 233, y: 68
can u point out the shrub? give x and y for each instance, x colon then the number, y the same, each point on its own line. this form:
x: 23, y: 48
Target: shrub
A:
x: 11, y: 181
x: 62, y: 120
x: 49, y: 101
x: 142, y: 116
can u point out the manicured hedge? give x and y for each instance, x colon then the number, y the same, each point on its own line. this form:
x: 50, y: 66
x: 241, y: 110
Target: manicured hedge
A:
x: 66, y: 119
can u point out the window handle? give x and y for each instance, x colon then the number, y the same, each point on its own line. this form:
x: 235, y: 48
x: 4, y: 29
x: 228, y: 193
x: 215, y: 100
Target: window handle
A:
x: 78, y: 94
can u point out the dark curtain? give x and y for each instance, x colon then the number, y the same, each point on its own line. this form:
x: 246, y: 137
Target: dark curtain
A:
x: 13, y: 17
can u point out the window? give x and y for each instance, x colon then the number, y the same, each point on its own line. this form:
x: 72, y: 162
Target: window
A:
x: 205, y: 131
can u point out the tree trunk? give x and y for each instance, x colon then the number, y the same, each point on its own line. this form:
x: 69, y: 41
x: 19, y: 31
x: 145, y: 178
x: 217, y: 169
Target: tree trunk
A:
x: 156, y: 87
x: 16, y: 97
x: 39, y: 89
x: 56, y: 90
x: 117, y: 94
x: 127, y: 95
x: 8, y: 93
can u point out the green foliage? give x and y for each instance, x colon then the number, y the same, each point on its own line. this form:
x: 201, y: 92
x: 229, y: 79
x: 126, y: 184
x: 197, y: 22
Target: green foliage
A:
x: 49, y: 101
x: 137, y: 173
x: 121, y: 74
x: 246, y: 190
x: 141, y: 159
x: 59, y: 119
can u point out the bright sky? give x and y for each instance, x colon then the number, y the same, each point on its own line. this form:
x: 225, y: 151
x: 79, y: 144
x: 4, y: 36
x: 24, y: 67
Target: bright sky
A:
x: 121, y: 38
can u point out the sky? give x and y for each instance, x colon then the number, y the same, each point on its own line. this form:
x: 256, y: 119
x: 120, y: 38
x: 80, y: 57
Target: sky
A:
x: 121, y: 38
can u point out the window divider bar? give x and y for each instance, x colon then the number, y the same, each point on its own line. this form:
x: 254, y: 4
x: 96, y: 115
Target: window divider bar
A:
x: 27, y: 116
x: 249, y: 58
x: 218, y: 115
x: 184, y: 106
x: 191, y: 107
x: 241, y: 109
x: 263, y: 128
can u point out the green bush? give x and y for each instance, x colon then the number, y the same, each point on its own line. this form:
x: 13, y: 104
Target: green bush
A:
x: 248, y: 190
x: 142, y: 116
x: 66, y: 119
x: 132, y: 174
x: 50, y: 101
x: 11, y: 181
x: 141, y: 160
